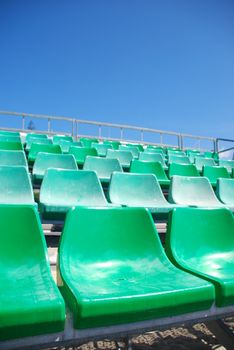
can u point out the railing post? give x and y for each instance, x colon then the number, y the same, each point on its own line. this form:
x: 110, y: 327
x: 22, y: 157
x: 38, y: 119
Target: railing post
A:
x: 77, y: 130
x: 73, y: 127
x: 121, y: 133
x: 216, y: 145
x: 180, y: 141
x: 99, y: 131
x: 161, y: 138
x: 49, y: 125
x: 142, y: 135
x: 23, y: 122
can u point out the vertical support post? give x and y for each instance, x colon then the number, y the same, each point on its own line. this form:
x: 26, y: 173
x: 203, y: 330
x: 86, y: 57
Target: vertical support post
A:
x: 199, y: 144
x: 142, y: 135
x: 73, y: 128
x: 49, y: 125
x: 216, y: 145
x: 99, y: 131
x: 161, y: 138
x: 180, y: 142
x: 23, y: 122
x: 77, y: 129
x: 121, y: 133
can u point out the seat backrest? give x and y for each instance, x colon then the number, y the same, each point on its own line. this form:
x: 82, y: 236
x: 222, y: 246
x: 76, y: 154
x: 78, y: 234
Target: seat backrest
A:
x: 7, y: 138
x: 138, y: 166
x: 172, y: 158
x: 135, y: 190
x: 41, y: 141
x: 114, y: 144
x: 228, y: 164
x: 33, y: 135
x: 87, y: 142
x: 101, y: 148
x: 11, y: 145
x: 195, y: 235
x: 139, y: 147
x: 58, y: 138
x: 201, y: 161
x: 215, y: 172
x: 45, y: 161
x: 155, y: 150
x: 152, y: 157
x: 80, y: 153
x: 182, y: 170
x: 110, y: 236
x: 13, y: 158
x: 15, y: 185
x: 104, y: 167
x: 72, y: 187
x: 195, y: 191
x: 124, y: 157
x: 225, y: 191
x: 9, y: 133
x: 36, y: 148
x: 135, y: 151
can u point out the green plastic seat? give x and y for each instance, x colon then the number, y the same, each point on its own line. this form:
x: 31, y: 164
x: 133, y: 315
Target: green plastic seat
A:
x: 103, y: 167
x: 177, y: 153
x: 192, y: 151
x: 124, y: 157
x: 135, y: 151
x: 36, y: 148
x: 9, y: 138
x: 114, y: 144
x: 58, y: 138
x: 211, y: 155
x: 139, y: 190
x: 192, y: 191
x: 11, y: 145
x: 139, y: 147
x: 13, y: 158
x: 87, y: 142
x: 155, y: 150
x: 80, y: 154
x: 179, y: 159
x: 225, y: 191
x: 138, y: 166
x: 9, y: 133
x: 63, y: 189
x: 201, y: 241
x: 213, y: 173
x: 101, y: 148
x: 192, y: 157
x: 201, y: 161
x: 182, y: 170
x: 228, y: 164
x: 40, y: 141
x: 153, y: 157
x: 113, y: 270
x: 30, y: 301
x: 34, y: 135
x: 15, y: 185
x: 44, y: 161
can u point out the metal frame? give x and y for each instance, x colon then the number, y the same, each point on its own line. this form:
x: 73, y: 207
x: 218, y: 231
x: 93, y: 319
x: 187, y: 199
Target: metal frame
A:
x: 74, y: 125
x: 72, y: 337
x: 217, y: 145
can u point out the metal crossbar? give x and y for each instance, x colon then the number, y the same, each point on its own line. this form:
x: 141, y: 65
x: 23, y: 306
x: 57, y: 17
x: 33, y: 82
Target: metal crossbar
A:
x: 74, y: 124
x: 223, y: 150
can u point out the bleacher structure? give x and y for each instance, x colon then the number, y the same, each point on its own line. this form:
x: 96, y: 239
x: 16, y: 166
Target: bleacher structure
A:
x: 145, y: 234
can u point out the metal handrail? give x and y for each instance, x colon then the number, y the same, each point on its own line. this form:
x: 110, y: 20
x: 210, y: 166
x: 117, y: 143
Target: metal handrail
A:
x: 75, y: 125
x: 217, y: 142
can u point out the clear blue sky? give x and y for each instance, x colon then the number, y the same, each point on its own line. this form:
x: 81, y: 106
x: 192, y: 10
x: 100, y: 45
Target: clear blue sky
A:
x: 166, y: 64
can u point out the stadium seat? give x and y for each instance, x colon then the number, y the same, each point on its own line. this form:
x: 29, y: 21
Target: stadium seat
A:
x: 155, y: 150
x: 192, y: 157
x: 36, y: 148
x: 13, y: 158
x: 177, y: 153
x: 201, y: 241
x: 80, y: 154
x: 34, y: 135
x: 101, y: 148
x: 182, y: 170
x: 192, y: 191
x: 124, y: 276
x: 58, y: 138
x: 9, y: 133
x: 174, y: 158
x: 103, y: 167
x: 15, y: 185
x: 30, y: 301
x: 228, y: 164
x: 11, y: 145
x: 7, y: 138
x: 153, y: 157
x: 135, y: 151
x: 139, y: 190
x: 63, y: 189
x: 124, y: 157
x: 201, y: 161
x: 225, y: 191
x: 213, y: 173
x: 138, y: 166
x: 41, y: 141
x: 87, y: 142
x: 44, y: 161
x: 136, y: 145
x: 114, y: 144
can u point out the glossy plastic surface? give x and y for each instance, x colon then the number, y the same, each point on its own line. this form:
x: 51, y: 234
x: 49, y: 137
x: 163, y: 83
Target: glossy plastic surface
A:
x: 201, y: 161
x: 182, y: 170
x: 103, y: 167
x: 41, y: 141
x: 36, y: 148
x: 213, y: 173
x: 33, y: 135
x: 113, y: 270
x: 225, y: 191
x: 45, y: 161
x: 87, y: 142
x: 30, y: 301
x: 80, y: 153
x: 9, y: 133
x: 134, y: 149
x: 228, y: 164
x: 62, y: 189
x: 58, y: 138
x: 114, y: 144
x: 124, y: 157
x: 139, y: 147
x: 15, y: 185
x: 192, y: 191
x: 7, y: 138
x: 11, y: 145
x: 201, y: 241
x: 138, y: 190
x: 101, y: 148
x: 13, y: 158
x: 138, y: 166
x: 180, y: 159
x: 153, y: 157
